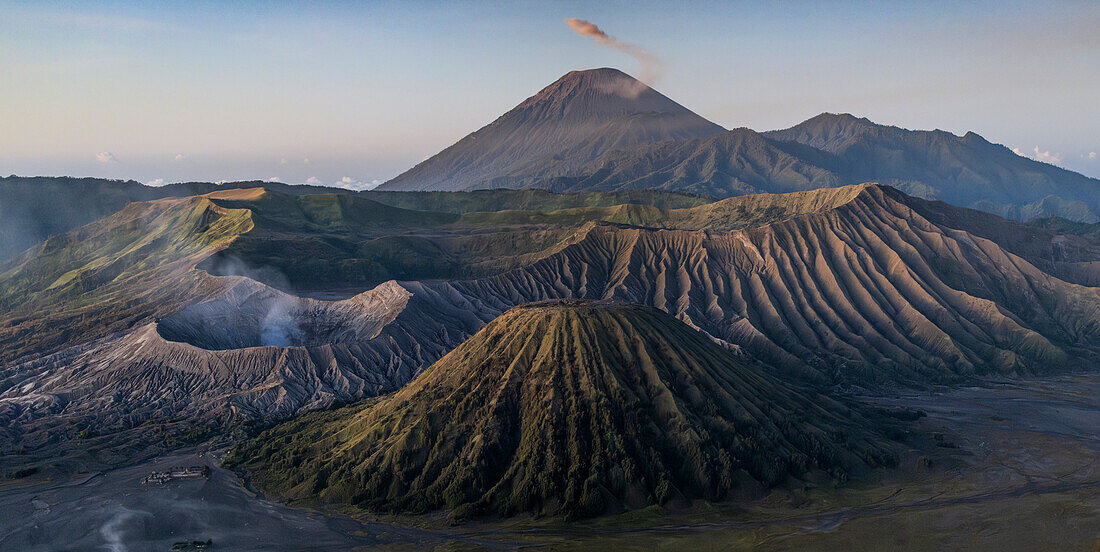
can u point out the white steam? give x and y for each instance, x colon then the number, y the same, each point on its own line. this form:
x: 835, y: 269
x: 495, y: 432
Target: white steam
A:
x: 114, y: 530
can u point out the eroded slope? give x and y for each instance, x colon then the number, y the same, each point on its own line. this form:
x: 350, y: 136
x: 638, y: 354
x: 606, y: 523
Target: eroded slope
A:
x: 574, y: 408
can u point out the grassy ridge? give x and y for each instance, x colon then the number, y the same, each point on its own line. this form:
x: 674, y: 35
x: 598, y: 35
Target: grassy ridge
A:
x: 34, y: 208
x: 334, y: 240
x: 530, y: 200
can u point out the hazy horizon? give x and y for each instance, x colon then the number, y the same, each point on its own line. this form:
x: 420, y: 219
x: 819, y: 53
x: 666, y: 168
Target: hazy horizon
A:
x: 335, y: 93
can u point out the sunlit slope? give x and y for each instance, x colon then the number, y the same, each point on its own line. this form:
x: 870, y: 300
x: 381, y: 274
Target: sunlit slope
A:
x: 113, y: 273
x: 568, y: 408
x: 867, y: 290
x: 34, y: 208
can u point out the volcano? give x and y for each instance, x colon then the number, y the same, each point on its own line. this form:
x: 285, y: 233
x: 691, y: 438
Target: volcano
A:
x: 568, y: 124
x: 573, y: 408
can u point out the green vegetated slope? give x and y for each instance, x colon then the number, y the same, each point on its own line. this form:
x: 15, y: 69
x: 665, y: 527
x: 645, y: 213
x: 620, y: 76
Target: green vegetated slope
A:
x: 31, y: 209
x: 325, y: 241
x: 111, y: 274
x: 530, y: 200
x: 34, y: 208
x: 1065, y: 226
x: 573, y: 408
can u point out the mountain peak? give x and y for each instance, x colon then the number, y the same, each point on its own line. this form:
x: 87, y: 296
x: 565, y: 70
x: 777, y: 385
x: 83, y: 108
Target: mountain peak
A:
x: 603, y: 92
x: 567, y: 124
x: 599, y: 73
x: 841, y: 120
x: 829, y: 131
x: 605, y: 80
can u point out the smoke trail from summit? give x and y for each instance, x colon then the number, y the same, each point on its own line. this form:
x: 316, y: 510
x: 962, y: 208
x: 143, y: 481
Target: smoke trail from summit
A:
x: 649, y: 64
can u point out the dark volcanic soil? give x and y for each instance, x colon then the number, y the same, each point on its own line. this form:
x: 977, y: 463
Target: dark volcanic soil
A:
x: 1015, y: 467
x: 114, y: 511
x: 1005, y: 466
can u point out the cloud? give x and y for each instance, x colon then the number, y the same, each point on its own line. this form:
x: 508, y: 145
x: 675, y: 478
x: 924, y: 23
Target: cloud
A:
x: 1042, y: 156
x: 1092, y: 155
x: 106, y: 157
x: 650, y: 65
x: 156, y: 182
x: 180, y: 157
x: 349, y: 183
x: 274, y: 179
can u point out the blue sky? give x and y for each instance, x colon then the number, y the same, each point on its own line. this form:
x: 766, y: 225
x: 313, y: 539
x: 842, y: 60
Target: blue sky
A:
x: 356, y: 92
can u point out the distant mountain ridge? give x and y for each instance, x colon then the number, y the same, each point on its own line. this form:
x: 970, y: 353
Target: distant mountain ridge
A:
x: 837, y: 150
x: 963, y: 170
x: 575, y: 136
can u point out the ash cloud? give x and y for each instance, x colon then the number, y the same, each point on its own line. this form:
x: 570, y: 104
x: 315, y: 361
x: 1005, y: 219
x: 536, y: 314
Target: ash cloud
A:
x: 650, y: 65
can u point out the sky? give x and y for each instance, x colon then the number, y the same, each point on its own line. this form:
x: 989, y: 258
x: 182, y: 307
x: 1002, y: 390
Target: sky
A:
x: 354, y: 93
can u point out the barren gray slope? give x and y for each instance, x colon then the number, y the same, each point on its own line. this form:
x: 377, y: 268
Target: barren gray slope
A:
x: 571, y: 122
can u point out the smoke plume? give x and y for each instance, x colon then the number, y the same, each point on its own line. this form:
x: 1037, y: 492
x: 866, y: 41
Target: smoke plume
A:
x: 649, y: 64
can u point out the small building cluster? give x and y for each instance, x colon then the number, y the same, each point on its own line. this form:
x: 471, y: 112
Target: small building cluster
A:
x: 190, y: 546
x: 190, y: 472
